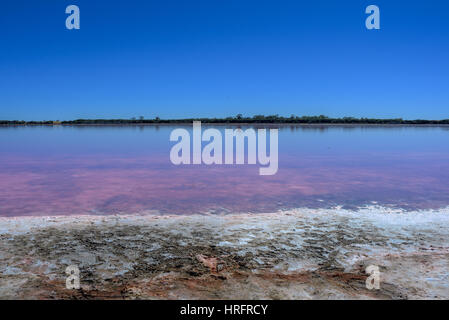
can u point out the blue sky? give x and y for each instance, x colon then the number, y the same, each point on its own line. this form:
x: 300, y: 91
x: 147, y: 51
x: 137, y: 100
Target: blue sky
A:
x: 176, y: 59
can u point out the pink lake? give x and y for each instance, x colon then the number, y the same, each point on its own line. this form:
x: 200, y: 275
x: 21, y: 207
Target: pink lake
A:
x: 126, y: 169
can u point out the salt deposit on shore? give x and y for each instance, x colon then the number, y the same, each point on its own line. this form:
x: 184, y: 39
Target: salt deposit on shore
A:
x: 294, y: 254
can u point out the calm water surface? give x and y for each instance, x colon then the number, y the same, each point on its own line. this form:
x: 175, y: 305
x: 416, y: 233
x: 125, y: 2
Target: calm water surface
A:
x: 105, y: 170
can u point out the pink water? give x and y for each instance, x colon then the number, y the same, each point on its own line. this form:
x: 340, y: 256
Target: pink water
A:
x: 106, y: 170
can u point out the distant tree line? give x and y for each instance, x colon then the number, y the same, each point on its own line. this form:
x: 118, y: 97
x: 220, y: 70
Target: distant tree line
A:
x: 276, y: 119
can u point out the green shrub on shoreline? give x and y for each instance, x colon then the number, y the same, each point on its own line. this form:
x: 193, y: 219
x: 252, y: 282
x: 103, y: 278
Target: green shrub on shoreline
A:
x: 275, y: 119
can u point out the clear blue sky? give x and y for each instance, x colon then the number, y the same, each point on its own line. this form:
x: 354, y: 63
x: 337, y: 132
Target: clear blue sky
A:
x: 218, y: 58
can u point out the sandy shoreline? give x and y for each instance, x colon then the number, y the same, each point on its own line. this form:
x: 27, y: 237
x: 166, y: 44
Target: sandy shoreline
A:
x: 294, y: 254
